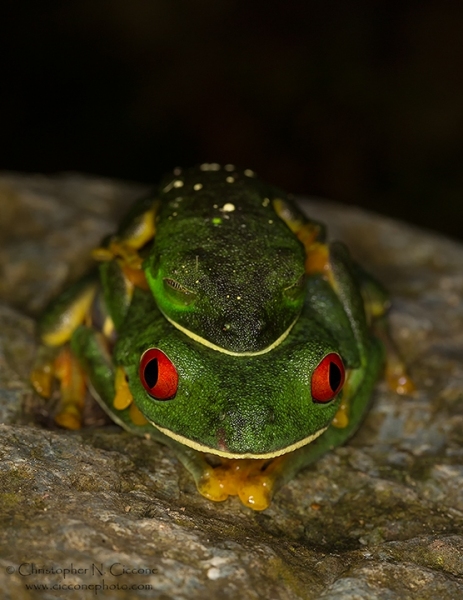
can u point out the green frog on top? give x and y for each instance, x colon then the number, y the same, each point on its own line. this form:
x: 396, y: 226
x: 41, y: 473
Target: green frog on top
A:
x: 221, y: 323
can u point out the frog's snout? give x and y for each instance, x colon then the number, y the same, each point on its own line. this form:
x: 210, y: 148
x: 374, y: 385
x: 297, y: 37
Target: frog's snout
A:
x: 235, y: 326
x: 239, y: 429
x: 241, y: 332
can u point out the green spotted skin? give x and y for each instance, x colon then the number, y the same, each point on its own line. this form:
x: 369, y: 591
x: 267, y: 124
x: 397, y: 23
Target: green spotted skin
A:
x: 223, y: 264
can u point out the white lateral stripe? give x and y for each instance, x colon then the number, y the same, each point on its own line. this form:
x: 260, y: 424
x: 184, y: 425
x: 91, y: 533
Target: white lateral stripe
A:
x: 196, y: 446
x: 212, y: 346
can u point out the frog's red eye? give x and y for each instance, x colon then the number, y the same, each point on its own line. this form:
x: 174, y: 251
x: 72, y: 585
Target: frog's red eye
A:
x: 158, y: 374
x: 328, y: 378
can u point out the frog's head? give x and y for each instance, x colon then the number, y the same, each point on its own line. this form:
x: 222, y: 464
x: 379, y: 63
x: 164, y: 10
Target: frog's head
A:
x: 241, y: 306
x: 239, y: 407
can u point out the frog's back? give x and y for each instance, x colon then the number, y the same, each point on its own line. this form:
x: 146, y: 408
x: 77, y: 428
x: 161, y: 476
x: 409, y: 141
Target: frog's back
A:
x: 211, y: 190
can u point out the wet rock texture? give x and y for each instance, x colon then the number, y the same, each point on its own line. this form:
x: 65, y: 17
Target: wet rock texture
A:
x: 381, y: 517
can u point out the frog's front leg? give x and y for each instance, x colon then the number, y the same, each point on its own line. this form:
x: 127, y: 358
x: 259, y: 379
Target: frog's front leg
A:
x: 108, y: 383
x: 254, y: 481
x: 377, y: 304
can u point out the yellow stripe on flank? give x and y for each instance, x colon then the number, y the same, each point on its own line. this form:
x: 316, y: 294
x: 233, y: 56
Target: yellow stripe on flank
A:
x: 201, y: 448
x: 208, y: 344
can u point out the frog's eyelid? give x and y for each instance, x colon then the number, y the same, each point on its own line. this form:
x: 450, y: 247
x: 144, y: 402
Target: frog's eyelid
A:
x: 177, y: 286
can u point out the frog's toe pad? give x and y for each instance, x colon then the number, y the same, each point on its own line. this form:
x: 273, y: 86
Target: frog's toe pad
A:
x: 69, y: 418
x: 213, y: 484
x: 243, y: 478
x: 398, y: 379
x: 257, y: 492
x: 41, y: 379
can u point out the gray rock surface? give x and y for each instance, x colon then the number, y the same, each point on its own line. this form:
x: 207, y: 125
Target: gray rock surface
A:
x: 381, y: 517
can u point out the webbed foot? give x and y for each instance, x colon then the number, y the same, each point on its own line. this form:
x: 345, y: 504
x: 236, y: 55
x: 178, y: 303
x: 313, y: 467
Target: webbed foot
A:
x: 63, y: 366
x: 252, y: 480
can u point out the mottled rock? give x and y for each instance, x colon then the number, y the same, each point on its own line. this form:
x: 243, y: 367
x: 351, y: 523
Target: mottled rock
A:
x: 381, y: 517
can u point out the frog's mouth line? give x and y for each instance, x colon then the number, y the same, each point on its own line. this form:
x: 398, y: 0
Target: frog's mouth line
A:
x: 201, y: 448
x: 212, y: 346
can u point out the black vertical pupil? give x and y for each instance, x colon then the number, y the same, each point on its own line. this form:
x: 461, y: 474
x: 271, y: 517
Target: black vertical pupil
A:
x: 335, y: 376
x: 151, y: 373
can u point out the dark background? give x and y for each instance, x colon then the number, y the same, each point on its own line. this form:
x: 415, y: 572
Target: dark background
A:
x: 359, y: 101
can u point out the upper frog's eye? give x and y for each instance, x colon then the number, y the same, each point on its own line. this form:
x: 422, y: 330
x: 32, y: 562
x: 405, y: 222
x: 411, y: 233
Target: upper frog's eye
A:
x: 328, y: 378
x: 177, y: 292
x: 158, y: 374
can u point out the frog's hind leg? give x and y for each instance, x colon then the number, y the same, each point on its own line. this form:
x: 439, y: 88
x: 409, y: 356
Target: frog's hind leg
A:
x: 311, y: 234
x: 100, y: 301
x: 136, y: 231
x: 59, y: 363
x: 54, y: 358
x: 377, y: 304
